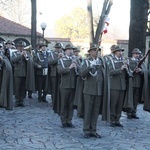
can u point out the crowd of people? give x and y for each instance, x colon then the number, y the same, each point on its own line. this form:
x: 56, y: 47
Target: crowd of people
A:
x: 93, y: 85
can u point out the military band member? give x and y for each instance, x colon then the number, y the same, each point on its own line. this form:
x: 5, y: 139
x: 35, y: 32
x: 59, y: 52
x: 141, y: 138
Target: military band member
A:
x: 1, y: 49
x: 136, y: 82
x: 30, y: 76
x: 117, y: 86
x: 66, y: 68
x: 78, y: 100
x: 20, y: 70
x: 94, y: 72
x: 108, y: 57
x: 41, y: 60
x: 146, y: 87
x: 55, y: 77
x: 6, y: 83
x: 8, y: 46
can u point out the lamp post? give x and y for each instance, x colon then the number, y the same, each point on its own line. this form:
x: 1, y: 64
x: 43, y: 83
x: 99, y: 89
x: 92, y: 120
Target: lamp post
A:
x: 43, y: 27
x: 33, y: 24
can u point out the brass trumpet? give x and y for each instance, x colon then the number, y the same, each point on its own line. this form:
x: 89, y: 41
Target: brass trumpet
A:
x: 27, y: 49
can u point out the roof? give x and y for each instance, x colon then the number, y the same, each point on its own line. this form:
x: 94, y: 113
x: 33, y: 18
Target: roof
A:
x: 122, y: 41
x: 58, y: 39
x: 9, y: 27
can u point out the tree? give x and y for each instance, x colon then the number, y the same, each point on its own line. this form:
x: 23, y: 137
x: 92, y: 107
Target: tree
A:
x: 73, y: 26
x: 100, y: 25
x: 138, y: 25
x: 90, y: 20
x: 16, y: 10
x: 4, y: 4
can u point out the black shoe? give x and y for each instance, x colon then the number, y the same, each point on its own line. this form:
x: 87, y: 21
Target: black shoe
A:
x: 96, y: 135
x: 30, y: 96
x: 64, y: 125
x: 44, y: 100
x: 70, y: 125
x: 22, y: 105
x: 112, y: 124
x: 135, y: 117
x: 19, y: 105
x: 119, y: 124
x: 129, y: 117
x: 86, y: 135
x: 40, y: 99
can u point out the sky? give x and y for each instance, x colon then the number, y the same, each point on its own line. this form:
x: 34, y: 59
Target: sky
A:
x: 49, y: 11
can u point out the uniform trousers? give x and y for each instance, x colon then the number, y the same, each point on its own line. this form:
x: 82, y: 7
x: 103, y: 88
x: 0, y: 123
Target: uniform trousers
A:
x: 54, y: 88
x: 136, y: 100
x: 41, y: 81
x: 116, y: 104
x: 91, y: 111
x: 67, y: 100
x: 20, y: 91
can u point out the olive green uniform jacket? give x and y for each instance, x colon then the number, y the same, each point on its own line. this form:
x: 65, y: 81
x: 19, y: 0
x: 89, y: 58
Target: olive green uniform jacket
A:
x: 146, y: 89
x: 128, y: 99
x: 6, y: 91
x: 24, y: 68
x: 91, y: 87
x: 55, y: 81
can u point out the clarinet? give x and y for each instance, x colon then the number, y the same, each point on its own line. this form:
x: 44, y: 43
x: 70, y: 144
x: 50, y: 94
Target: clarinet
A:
x: 128, y: 70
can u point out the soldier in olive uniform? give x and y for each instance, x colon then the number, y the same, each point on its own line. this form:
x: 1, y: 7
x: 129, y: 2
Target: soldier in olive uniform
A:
x: 78, y: 101
x: 8, y: 46
x: 1, y: 49
x: 30, y: 83
x: 94, y: 72
x: 6, y: 83
x: 117, y: 86
x: 107, y: 58
x: 137, y: 82
x: 55, y: 77
x: 66, y: 68
x: 20, y: 69
x: 41, y: 60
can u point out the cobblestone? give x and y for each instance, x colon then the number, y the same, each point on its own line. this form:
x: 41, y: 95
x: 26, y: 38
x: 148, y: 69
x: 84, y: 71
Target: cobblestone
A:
x: 37, y: 127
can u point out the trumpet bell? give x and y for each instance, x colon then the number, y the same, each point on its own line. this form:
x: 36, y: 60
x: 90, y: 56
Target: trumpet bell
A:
x: 29, y: 47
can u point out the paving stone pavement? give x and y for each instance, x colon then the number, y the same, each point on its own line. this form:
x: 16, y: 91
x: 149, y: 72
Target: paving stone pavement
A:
x: 37, y: 127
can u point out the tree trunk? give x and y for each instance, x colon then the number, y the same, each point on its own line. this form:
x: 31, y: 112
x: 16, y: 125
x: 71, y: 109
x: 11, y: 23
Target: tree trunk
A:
x: 33, y: 24
x: 90, y: 20
x: 138, y: 25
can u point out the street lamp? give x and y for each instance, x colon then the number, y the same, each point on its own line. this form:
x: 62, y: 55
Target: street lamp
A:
x: 43, y: 27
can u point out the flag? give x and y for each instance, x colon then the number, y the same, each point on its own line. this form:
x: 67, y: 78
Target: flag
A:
x: 105, y: 30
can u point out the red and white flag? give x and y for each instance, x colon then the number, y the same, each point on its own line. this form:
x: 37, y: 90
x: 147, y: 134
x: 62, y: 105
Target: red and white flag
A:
x: 105, y: 30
